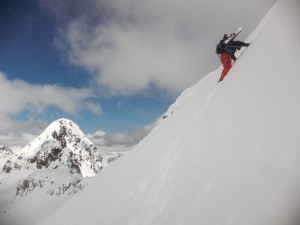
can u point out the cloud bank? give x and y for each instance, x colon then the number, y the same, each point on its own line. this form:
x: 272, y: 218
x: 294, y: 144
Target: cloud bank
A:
x: 18, y: 95
x: 128, y: 139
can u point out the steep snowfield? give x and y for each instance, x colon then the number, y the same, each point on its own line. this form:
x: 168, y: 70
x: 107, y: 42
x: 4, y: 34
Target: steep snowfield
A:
x: 227, y: 153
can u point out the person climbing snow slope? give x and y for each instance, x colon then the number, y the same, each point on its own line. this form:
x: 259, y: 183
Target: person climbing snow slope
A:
x: 226, y: 52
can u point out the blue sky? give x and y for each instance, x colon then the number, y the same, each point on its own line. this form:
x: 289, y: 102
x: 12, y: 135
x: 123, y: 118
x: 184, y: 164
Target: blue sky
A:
x: 110, y: 66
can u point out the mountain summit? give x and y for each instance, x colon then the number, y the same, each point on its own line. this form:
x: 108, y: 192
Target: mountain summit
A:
x: 62, y: 144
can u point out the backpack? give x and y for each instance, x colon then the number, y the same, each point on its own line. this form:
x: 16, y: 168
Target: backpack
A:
x: 222, y: 47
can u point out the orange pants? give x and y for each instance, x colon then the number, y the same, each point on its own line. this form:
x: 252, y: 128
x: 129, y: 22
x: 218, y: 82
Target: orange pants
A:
x: 226, y: 61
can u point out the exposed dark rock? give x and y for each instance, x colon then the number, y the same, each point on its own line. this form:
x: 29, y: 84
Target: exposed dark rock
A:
x: 54, y: 135
x: 56, y: 151
x: 17, y: 166
x: 75, y: 165
x: 28, y: 185
x: 63, y: 142
x: 7, y: 166
x: 31, y: 160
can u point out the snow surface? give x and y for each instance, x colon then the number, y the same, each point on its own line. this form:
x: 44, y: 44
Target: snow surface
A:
x: 226, y: 153
x: 30, y: 208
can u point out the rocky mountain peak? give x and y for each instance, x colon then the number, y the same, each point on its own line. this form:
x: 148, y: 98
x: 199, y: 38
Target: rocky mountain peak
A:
x: 57, y: 161
x: 61, y: 145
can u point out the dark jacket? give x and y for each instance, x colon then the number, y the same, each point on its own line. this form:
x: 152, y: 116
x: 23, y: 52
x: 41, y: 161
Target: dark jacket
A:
x: 230, y: 47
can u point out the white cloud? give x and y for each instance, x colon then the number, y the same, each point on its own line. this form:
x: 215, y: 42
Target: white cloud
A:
x: 130, y: 46
x: 18, y: 95
x: 94, y: 108
x: 19, y: 133
x: 128, y: 139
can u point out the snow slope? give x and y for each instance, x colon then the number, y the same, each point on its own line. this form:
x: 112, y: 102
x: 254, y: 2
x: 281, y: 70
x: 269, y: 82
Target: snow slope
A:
x: 227, y: 153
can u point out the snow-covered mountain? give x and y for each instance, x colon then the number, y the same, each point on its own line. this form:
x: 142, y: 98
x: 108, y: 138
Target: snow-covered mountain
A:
x: 58, y: 163
x: 225, y: 153
x: 62, y: 144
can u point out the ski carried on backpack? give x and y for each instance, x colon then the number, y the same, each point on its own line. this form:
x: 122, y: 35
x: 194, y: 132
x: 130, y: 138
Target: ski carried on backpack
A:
x: 233, y: 35
x: 222, y: 46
